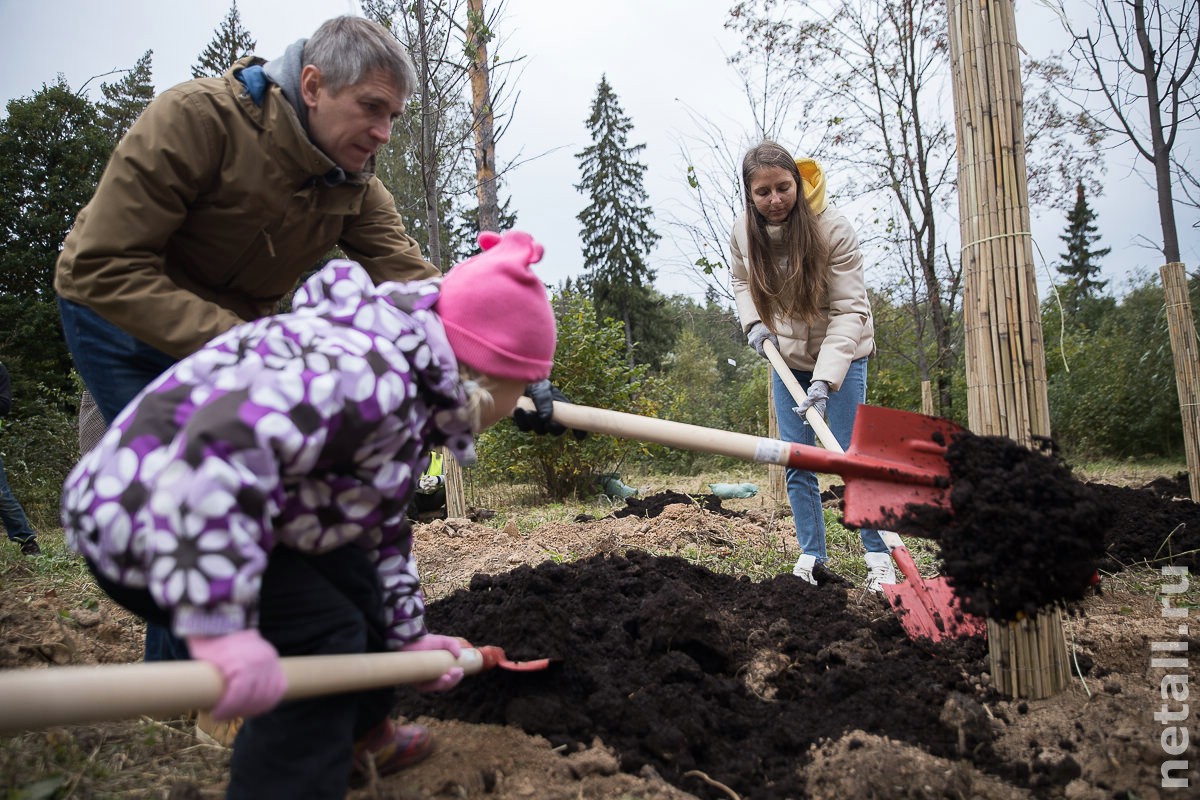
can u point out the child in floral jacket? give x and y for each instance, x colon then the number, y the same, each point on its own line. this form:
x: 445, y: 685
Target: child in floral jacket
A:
x: 254, y: 497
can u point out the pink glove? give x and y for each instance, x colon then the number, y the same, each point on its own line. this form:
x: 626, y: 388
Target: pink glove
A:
x: 254, y: 679
x: 434, y: 641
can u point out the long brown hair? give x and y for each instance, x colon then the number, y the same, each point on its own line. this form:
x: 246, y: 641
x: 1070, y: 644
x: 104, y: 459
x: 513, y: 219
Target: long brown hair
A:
x: 790, y: 278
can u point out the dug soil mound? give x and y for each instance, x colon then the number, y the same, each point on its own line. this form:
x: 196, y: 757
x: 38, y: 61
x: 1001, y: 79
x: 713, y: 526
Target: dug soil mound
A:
x: 777, y: 689
x: 687, y: 671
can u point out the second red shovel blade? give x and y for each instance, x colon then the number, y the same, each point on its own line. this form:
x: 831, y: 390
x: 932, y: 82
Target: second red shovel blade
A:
x: 493, y: 656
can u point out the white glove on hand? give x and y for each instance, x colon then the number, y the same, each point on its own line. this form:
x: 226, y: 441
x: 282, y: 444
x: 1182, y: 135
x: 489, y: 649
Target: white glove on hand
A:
x: 428, y: 484
x: 818, y: 394
x: 759, y: 333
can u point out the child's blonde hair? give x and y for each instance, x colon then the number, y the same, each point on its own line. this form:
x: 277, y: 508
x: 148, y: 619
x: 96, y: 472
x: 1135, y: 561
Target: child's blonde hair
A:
x: 480, y: 401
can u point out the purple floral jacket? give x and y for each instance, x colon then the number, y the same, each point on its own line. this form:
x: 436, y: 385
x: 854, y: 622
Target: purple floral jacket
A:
x: 308, y: 429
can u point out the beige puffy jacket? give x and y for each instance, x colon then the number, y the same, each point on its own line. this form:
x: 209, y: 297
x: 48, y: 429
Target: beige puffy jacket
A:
x: 845, y: 331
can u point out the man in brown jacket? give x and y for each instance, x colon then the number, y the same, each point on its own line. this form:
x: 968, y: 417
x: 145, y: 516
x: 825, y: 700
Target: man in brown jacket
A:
x: 221, y: 195
x: 224, y: 192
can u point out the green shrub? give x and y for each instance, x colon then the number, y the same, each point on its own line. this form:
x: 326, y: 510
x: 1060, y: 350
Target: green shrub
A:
x: 590, y: 367
x: 40, y: 447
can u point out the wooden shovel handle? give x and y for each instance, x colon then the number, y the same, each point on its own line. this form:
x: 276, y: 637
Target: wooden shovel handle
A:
x: 39, y: 698
x: 681, y: 435
x: 738, y: 445
x: 824, y: 435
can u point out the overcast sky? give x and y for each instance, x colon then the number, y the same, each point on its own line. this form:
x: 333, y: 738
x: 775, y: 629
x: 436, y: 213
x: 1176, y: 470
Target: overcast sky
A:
x: 662, y: 58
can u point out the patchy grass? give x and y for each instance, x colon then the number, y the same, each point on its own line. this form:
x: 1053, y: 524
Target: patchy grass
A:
x: 57, y: 569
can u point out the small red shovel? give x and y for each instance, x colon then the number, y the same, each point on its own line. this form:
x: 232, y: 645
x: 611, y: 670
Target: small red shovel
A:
x: 39, y: 698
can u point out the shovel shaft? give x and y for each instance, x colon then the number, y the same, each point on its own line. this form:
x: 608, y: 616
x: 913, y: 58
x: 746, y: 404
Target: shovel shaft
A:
x: 814, y: 420
x: 39, y: 698
x: 735, y: 445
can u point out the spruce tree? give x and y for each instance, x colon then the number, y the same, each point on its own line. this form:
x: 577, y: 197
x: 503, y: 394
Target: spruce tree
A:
x: 616, y: 232
x: 52, y: 150
x: 1080, y: 264
x: 126, y: 99
x: 230, y: 42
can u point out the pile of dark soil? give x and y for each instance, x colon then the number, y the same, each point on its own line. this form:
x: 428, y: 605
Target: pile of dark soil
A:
x: 653, y: 505
x: 682, y: 669
x: 689, y: 672
x: 1023, y: 533
x: 1157, y: 524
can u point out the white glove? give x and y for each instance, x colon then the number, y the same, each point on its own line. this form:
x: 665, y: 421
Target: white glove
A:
x: 818, y: 394
x: 759, y: 333
x: 428, y: 484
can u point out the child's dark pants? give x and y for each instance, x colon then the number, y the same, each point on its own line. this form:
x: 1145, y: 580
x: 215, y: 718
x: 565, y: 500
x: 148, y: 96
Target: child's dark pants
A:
x: 309, y: 605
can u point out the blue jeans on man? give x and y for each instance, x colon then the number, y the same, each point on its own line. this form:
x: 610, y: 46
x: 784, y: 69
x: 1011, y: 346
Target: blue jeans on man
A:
x: 115, y: 366
x: 804, y: 491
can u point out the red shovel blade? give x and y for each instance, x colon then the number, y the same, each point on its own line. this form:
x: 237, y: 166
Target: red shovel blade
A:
x: 914, y: 445
x: 493, y: 656
x: 928, y: 607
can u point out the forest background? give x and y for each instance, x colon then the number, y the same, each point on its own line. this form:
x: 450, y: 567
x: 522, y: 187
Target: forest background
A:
x: 879, y: 68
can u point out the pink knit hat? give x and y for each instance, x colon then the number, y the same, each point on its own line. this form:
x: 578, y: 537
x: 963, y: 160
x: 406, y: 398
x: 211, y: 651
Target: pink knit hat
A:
x: 495, y: 310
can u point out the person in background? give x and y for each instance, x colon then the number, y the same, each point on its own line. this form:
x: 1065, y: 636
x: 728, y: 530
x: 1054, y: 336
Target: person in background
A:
x: 254, y: 497
x: 798, y: 281
x: 221, y: 195
x: 431, y: 487
x: 16, y: 523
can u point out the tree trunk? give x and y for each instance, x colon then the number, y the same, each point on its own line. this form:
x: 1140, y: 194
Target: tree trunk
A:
x: 1161, y: 150
x: 1187, y: 366
x: 481, y: 108
x: 428, y: 147
x: 1006, y: 362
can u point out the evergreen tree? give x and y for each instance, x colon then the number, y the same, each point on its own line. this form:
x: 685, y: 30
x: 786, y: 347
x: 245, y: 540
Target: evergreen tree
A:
x: 464, y: 232
x: 52, y: 150
x: 616, y: 231
x: 230, y: 42
x: 126, y: 99
x: 1080, y: 264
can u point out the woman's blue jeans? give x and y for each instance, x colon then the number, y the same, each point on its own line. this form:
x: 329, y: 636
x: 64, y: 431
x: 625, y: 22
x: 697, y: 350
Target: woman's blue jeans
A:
x: 116, y: 367
x: 804, y: 492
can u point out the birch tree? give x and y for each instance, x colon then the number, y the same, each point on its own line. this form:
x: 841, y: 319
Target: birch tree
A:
x: 429, y: 163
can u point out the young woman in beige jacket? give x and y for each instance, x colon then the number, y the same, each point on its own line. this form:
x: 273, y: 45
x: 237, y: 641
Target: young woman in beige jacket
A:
x: 798, y: 281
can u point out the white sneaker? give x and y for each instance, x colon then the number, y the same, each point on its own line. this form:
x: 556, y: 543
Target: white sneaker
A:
x: 804, y: 569
x: 879, y: 571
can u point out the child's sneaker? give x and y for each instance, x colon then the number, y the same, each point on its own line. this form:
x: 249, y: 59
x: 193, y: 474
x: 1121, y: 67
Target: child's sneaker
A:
x: 30, y: 547
x: 391, y: 748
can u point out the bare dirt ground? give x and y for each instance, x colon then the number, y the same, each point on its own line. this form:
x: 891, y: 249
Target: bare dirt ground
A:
x: 671, y: 681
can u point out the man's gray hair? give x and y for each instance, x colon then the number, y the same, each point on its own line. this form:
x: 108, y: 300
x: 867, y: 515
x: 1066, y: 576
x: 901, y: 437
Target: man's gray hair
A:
x: 347, y: 48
